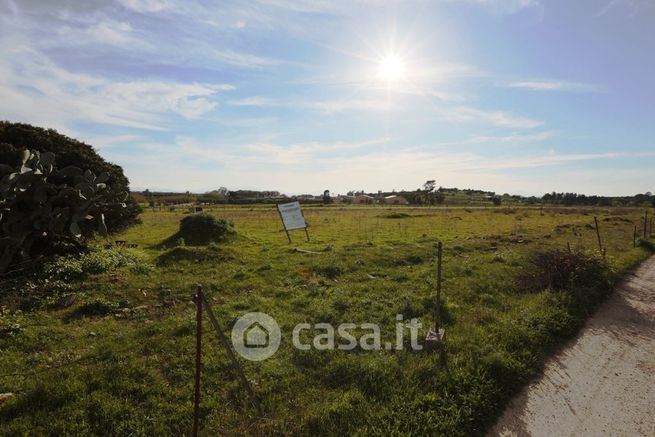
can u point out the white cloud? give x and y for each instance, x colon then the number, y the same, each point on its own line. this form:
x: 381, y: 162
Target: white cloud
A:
x: 104, y: 33
x: 315, y: 166
x: 241, y: 59
x: 112, y: 32
x: 551, y: 85
x: 272, y: 154
x: 339, y: 105
x: 106, y: 141
x: 147, y: 5
x: 631, y: 7
x: 503, y: 6
x: 455, y: 114
x: 256, y: 101
x: 512, y: 138
x: 28, y: 80
x: 307, y: 6
x: 498, y: 118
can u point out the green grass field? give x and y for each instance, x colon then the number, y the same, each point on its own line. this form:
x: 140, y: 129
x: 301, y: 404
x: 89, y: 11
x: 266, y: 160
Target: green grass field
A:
x: 118, y: 358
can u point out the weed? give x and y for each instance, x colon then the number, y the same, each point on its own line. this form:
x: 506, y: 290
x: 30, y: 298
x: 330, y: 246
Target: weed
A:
x: 397, y: 215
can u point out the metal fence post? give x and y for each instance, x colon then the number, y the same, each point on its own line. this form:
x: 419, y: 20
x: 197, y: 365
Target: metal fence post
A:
x: 196, y: 401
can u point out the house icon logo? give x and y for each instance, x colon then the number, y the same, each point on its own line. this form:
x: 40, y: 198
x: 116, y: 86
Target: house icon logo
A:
x: 256, y: 336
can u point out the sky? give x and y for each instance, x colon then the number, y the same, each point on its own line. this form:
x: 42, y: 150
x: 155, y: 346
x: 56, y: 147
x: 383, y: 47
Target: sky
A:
x: 517, y: 96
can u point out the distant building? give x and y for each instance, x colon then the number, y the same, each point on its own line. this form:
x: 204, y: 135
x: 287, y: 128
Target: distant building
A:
x: 395, y: 200
x: 344, y: 199
x: 363, y: 198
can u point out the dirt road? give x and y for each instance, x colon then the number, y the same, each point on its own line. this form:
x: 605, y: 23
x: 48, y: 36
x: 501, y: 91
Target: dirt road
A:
x: 603, y: 382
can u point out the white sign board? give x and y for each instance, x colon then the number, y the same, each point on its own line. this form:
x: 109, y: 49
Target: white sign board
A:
x: 292, y: 217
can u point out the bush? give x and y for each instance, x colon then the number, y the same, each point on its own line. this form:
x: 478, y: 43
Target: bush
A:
x: 42, y: 205
x: 561, y: 270
x: 98, y: 306
x: 73, y: 267
x: 17, y: 136
x: 193, y: 254
x: 203, y: 229
x: 397, y: 215
x: 648, y: 245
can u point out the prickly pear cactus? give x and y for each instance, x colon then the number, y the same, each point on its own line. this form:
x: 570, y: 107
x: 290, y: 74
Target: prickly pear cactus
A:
x: 40, y: 205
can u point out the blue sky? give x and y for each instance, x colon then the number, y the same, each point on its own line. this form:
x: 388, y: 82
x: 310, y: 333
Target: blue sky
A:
x: 519, y: 96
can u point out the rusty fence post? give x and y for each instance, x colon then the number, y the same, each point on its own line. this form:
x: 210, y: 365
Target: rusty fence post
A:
x: 438, y: 309
x: 196, y: 400
x: 600, y: 245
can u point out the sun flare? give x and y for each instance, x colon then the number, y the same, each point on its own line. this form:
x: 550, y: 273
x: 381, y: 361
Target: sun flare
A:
x: 392, y: 68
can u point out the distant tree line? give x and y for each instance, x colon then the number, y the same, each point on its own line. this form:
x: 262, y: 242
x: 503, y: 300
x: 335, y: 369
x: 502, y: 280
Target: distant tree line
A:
x: 428, y: 194
x: 575, y: 199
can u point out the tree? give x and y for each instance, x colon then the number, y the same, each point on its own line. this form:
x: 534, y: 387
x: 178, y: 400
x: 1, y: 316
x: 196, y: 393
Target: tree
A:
x: 429, y: 195
x: 439, y: 197
x: 41, y: 205
x: 497, y: 200
x: 70, y: 152
x: 326, y: 197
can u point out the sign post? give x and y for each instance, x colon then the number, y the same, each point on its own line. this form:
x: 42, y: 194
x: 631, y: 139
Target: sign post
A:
x: 292, y: 218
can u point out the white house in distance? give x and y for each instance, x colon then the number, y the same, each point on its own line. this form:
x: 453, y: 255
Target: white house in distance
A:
x: 395, y: 200
x: 369, y: 200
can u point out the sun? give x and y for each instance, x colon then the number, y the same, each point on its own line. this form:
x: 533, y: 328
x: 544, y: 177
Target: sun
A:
x: 392, y: 68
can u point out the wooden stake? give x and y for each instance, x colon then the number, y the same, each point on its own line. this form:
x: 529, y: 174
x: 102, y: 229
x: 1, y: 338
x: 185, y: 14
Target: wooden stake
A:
x: 600, y: 245
x: 634, y: 237
x: 303, y: 217
x: 228, y: 348
x: 196, y: 401
x: 646, y: 225
x: 568, y: 246
x: 438, y: 309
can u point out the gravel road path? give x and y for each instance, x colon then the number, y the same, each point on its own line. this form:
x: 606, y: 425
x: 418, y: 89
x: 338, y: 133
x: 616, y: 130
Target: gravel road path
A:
x: 603, y: 382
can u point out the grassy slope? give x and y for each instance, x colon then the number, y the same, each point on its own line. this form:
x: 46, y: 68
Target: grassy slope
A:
x: 131, y: 371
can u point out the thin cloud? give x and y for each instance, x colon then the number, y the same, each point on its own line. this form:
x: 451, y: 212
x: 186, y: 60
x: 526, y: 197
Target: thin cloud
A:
x: 329, y: 107
x: 63, y: 97
x: 551, y: 85
x: 503, y: 6
x: 147, y: 5
x: 256, y: 101
x: 270, y: 153
x: 632, y: 7
x: 463, y: 114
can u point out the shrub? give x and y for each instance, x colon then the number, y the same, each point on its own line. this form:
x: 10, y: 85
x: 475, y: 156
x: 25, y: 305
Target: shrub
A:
x: 562, y: 270
x: 98, y: 306
x: 202, y: 229
x: 42, y: 205
x: 192, y: 254
x: 648, y: 245
x: 397, y: 215
x: 69, y: 152
x: 72, y: 267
